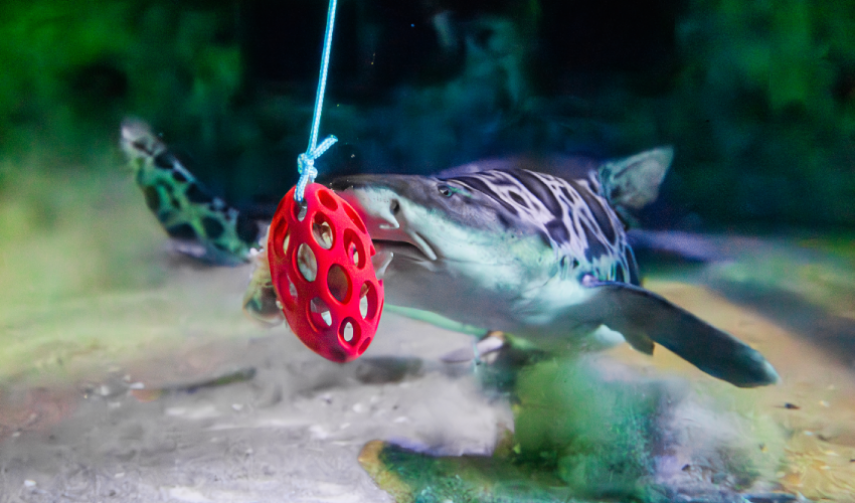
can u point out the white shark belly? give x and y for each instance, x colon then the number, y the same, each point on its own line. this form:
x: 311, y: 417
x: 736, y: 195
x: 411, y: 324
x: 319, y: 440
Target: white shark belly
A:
x: 452, y: 297
x: 496, y: 297
x: 486, y: 294
x: 554, y: 316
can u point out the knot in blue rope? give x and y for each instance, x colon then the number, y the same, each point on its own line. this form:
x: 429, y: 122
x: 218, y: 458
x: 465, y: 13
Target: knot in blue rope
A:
x: 306, y: 166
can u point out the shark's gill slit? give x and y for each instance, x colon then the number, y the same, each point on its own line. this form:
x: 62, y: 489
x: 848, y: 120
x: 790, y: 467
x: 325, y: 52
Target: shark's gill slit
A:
x: 320, y: 314
x: 322, y: 231
x: 355, y: 248
x: 338, y: 283
x: 306, y: 262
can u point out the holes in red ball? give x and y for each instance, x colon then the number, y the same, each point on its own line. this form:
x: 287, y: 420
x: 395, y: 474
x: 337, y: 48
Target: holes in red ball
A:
x: 319, y: 313
x: 292, y: 289
x: 368, y: 301
x: 353, y: 216
x: 289, y: 295
x: 307, y: 264
x: 285, y: 241
x: 281, y: 228
x: 322, y: 231
x: 349, y: 331
x: 338, y: 283
x: 363, y: 301
x: 299, y: 210
x: 337, y: 259
x: 327, y: 199
x: 355, y: 248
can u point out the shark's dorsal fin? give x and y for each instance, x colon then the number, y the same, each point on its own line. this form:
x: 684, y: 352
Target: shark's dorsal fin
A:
x: 633, y: 182
x: 641, y: 315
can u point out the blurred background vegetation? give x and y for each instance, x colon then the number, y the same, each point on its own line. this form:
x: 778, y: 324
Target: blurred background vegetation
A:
x: 757, y: 97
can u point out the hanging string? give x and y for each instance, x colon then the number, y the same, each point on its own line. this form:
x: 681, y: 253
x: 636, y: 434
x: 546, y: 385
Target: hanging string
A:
x: 306, y: 161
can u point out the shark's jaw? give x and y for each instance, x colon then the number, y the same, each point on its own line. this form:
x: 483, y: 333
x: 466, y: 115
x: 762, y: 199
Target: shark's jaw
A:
x: 409, y: 218
x: 447, y: 259
x: 403, y: 253
x: 396, y: 237
x: 413, y: 247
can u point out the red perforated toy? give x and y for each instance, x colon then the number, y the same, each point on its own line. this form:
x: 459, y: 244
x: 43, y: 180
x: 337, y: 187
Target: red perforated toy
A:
x: 320, y: 262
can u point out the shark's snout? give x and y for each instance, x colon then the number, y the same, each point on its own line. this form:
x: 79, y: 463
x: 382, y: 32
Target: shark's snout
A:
x: 377, y: 204
x: 341, y: 184
x: 394, y: 230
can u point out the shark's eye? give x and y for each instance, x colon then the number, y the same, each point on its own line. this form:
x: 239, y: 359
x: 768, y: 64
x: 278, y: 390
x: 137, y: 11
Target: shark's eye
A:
x: 445, y: 190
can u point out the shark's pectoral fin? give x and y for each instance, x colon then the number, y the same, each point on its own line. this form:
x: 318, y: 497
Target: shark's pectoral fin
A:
x: 644, y: 317
x: 640, y: 342
x: 489, y: 344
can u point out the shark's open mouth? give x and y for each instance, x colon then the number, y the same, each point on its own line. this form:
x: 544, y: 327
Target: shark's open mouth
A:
x: 387, y: 224
x: 390, y: 250
x: 418, y: 250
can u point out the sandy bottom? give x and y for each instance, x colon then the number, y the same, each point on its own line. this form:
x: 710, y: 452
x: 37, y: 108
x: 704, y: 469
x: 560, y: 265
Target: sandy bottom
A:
x: 192, y: 416
x: 170, y: 394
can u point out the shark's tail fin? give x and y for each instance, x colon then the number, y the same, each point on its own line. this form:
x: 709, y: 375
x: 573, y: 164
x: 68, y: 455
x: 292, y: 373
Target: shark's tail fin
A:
x: 633, y: 182
x: 644, y: 317
x: 201, y: 225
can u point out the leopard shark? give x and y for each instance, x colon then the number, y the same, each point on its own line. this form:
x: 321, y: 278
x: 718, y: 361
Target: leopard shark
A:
x: 495, y: 245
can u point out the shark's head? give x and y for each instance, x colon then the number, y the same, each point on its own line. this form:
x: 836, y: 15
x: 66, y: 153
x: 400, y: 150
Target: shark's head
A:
x: 439, y: 242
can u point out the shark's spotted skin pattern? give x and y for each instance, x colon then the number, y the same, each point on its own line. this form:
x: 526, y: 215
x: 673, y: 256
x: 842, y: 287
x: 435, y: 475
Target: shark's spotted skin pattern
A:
x: 542, y: 257
x: 571, y: 215
x: 201, y: 224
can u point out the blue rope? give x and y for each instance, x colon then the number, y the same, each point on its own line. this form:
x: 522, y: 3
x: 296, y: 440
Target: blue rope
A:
x: 306, y: 161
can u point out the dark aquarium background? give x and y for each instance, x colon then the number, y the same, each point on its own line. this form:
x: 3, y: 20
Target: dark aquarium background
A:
x: 128, y: 372
x: 758, y: 98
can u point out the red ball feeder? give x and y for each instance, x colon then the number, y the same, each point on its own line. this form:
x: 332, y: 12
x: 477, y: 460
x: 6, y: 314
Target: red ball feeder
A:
x: 320, y: 261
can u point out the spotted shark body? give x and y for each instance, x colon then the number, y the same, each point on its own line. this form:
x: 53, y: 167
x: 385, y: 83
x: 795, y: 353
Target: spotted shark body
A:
x: 499, y: 249
x: 199, y: 224
x: 503, y: 247
x: 534, y: 255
